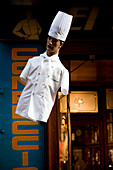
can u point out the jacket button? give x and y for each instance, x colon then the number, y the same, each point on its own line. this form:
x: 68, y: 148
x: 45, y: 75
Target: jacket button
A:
x: 38, y: 73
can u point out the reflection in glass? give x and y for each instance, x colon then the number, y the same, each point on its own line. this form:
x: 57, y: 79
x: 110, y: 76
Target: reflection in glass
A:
x: 63, y: 137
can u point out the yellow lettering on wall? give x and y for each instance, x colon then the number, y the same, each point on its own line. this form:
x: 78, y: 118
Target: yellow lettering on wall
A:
x: 16, y: 139
x: 24, y: 158
x: 15, y: 96
x: 15, y: 80
x: 17, y: 123
x: 22, y: 128
x: 92, y: 18
x: 15, y: 51
x: 25, y: 168
x: 15, y: 66
x: 74, y: 11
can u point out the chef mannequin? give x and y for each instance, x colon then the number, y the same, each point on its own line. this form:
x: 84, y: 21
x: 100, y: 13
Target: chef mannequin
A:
x: 45, y: 74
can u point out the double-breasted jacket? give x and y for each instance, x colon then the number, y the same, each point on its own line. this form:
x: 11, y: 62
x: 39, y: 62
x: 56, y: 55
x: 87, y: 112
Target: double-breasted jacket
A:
x: 43, y: 76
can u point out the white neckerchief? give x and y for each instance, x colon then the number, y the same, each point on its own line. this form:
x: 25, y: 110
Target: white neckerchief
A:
x: 53, y: 58
x: 46, y: 58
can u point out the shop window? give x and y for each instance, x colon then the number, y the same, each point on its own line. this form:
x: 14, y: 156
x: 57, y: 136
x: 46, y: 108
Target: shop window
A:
x: 85, y: 140
x: 109, y: 107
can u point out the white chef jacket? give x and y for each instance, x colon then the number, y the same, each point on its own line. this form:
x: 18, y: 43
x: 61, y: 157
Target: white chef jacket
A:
x: 43, y: 76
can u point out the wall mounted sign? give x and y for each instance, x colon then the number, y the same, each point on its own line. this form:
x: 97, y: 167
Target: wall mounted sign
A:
x: 81, y: 102
x: 33, y: 22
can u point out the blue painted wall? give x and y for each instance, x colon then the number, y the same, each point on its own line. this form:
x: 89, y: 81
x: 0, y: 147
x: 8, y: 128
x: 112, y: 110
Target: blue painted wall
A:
x: 21, y: 140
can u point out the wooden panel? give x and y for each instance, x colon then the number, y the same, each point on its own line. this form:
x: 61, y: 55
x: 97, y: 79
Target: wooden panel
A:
x: 109, y: 98
x: 97, y: 71
x: 88, y: 46
x: 52, y: 140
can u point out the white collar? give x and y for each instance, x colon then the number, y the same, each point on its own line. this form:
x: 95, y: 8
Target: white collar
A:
x: 52, y: 58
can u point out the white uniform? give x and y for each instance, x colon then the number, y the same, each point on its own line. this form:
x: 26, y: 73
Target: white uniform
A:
x: 43, y: 76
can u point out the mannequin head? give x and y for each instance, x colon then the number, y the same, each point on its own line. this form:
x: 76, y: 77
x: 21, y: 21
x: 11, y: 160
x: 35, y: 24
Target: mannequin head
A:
x: 53, y: 45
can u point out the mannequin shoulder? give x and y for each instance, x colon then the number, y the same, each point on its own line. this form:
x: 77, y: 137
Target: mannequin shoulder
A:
x: 62, y: 66
x: 34, y: 59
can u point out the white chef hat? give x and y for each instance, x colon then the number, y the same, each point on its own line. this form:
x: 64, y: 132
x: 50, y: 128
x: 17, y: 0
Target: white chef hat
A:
x: 60, y: 26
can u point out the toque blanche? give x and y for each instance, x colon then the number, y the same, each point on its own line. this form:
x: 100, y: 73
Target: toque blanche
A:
x: 60, y: 26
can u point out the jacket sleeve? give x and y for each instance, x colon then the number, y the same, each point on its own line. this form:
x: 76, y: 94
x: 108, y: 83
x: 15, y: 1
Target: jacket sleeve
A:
x: 25, y: 71
x: 65, y: 82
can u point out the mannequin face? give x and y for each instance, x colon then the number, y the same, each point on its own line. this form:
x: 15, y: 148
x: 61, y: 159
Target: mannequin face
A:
x: 53, y: 46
